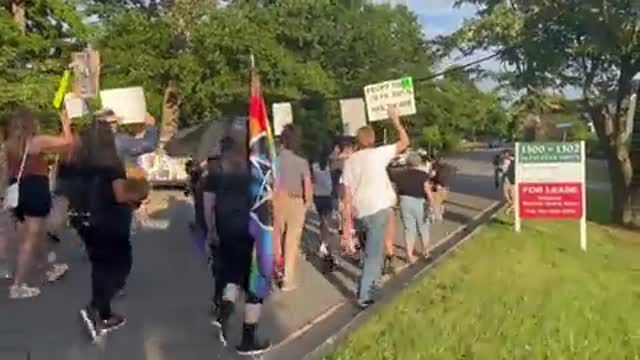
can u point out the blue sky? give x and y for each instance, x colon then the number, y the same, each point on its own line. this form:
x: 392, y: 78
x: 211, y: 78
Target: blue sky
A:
x: 440, y: 16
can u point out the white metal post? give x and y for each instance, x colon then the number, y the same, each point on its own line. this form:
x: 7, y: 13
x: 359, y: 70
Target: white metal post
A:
x: 583, y: 219
x: 516, y: 191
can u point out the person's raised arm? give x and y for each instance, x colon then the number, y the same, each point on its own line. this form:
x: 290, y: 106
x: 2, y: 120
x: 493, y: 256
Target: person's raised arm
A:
x: 134, y: 147
x: 42, y: 143
x: 403, y: 141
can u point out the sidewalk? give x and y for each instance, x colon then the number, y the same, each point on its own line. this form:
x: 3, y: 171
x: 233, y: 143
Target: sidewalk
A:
x: 168, y: 294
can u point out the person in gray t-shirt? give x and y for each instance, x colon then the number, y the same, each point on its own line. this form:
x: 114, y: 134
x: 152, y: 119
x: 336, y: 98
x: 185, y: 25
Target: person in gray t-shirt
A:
x: 294, y: 195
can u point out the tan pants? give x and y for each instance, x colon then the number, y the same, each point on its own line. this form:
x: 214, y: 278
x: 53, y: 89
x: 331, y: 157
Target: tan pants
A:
x: 290, y: 215
x: 439, y: 198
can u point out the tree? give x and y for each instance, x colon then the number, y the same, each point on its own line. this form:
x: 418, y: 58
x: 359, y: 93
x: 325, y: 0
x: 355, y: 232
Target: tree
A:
x: 35, y: 51
x: 591, y: 45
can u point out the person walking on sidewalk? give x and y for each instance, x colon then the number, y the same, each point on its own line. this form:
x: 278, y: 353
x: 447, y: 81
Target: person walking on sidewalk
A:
x: 414, y: 187
x: 369, y: 194
x: 28, y: 169
x: 293, y: 196
x: 322, y: 190
x: 226, y: 191
x: 110, y: 201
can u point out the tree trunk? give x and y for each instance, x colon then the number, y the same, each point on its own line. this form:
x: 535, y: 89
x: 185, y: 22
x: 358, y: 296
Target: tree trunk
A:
x: 170, y: 113
x: 19, y: 14
x: 621, y: 173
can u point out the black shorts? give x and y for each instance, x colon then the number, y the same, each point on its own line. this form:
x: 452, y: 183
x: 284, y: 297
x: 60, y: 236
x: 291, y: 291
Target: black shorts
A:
x: 34, y: 197
x: 324, y: 205
x: 236, y: 251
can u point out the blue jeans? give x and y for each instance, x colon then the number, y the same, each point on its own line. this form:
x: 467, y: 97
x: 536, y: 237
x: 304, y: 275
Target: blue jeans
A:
x: 374, y: 229
x: 415, y: 220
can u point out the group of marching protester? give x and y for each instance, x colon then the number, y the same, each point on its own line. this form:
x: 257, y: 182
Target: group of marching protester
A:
x: 86, y: 179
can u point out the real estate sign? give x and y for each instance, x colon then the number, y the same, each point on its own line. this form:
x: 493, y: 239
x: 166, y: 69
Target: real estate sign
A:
x: 550, y: 182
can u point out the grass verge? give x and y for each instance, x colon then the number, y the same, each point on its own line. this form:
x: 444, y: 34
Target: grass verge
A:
x: 533, y: 295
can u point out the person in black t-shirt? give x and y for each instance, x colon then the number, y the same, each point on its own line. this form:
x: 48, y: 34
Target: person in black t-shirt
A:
x: 413, y: 187
x: 227, y: 206
x: 109, y: 202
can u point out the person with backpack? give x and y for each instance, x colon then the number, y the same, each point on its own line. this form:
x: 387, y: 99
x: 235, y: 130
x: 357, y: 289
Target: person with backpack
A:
x: 109, y: 200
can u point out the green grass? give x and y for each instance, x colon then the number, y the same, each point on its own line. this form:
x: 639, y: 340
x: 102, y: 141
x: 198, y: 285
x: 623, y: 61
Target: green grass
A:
x: 533, y: 295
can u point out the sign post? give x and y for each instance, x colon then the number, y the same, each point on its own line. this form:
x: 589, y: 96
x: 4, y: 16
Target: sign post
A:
x: 550, y: 183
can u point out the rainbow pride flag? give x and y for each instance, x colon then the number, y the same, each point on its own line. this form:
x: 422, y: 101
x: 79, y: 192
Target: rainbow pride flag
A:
x: 262, y: 163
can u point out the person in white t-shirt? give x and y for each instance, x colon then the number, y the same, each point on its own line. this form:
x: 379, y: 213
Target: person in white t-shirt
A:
x: 369, y: 195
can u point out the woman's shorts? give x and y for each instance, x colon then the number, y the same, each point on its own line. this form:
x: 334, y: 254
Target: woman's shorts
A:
x: 324, y: 205
x: 34, y: 199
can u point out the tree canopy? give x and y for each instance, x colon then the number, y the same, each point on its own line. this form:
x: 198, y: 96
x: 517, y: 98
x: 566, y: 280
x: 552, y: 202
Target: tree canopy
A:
x: 192, y: 57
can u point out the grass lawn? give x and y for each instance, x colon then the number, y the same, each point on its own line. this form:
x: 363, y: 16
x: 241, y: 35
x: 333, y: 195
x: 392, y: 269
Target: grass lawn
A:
x: 501, y: 295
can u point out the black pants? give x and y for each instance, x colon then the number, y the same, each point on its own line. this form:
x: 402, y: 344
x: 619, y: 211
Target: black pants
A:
x: 109, y: 252
x: 234, y: 256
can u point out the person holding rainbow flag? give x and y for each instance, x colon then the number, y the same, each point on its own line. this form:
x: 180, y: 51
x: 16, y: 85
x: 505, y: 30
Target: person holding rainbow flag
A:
x: 240, y: 192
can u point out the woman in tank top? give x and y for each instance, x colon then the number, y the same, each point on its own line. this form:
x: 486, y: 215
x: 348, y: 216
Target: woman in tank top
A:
x: 26, y: 145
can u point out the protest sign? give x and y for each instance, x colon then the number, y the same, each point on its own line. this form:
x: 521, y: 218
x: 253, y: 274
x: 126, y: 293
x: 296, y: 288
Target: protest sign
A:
x: 76, y: 107
x: 127, y: 103
x: 282, y: 116
x: 353, y: 115
x: 86, y: 73
x: 390, y: 94
x: 550, y: 183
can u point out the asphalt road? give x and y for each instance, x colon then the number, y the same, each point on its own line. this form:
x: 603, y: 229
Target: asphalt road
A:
x: 167, y: 295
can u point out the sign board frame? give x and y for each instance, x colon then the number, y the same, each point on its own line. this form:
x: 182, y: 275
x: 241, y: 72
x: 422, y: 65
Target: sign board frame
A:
x: 397, y: 94
x: 553, y: 170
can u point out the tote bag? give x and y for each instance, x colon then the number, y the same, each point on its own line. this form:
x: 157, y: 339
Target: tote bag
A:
x: 12, y: 195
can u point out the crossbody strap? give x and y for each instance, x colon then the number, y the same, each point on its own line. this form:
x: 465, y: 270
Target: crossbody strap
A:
x: 24, y: 160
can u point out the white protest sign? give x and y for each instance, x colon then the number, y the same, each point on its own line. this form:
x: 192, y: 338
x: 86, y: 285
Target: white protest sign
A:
x: 127, y: 103
x: 395, y: 94
x: 282, y: 116
x: 76, y: 107
x: 353, y: 115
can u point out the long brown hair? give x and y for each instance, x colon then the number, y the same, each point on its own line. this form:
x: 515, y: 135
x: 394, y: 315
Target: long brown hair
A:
x: 22, y: 127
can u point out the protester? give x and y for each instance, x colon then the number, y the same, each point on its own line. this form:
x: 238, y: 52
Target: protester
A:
x: 341, y: 152
x: 111, y: 198
x: 323, y: 190
x: 293, y: 196
x: 368, y: 191
x: 509, y: 180
x: 389, y: 242
x: 5, y: 217
x: 414, y: 187
x: 28, y: 168
x: 227, y: 192
x: 439, y: 190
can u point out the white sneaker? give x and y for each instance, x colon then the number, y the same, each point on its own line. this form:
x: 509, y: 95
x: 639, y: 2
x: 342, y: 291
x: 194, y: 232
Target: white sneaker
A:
x: 23, y: 291
x: 57, y: 271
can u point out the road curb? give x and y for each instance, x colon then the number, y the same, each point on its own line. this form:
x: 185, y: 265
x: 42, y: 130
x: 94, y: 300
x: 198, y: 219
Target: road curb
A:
x: 477, y: 223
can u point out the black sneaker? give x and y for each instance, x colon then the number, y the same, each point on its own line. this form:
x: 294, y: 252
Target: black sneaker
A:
x: 250, y: 345
x: 115, y: 322
x: 224, y: 312
x: 92, y: 322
